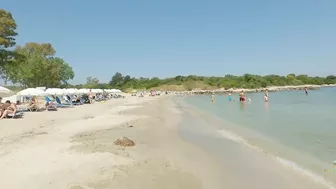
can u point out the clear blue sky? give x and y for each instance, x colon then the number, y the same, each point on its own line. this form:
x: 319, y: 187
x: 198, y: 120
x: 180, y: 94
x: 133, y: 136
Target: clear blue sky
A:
x: 181, y: 37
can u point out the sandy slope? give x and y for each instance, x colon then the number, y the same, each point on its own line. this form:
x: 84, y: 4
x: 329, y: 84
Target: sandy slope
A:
x: 73, y: 148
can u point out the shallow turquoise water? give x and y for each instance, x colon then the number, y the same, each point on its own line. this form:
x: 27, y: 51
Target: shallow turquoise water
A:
x: 292, y: 125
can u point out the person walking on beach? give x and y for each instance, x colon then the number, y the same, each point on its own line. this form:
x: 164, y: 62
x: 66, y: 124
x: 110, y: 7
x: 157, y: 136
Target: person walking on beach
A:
x: 91, y: 96
x: 242, y: 96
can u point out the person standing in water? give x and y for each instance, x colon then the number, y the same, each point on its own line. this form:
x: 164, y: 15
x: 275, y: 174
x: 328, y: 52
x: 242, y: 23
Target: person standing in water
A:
x: 266, y: 95
x: 266, y: 98
x: 213, y: 98
x: 230, y: 96
x: 306, y: 90
x: 242, y: 96
x: 266, y: 92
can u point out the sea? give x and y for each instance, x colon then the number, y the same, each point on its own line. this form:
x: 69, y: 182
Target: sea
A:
x: 298, y: 130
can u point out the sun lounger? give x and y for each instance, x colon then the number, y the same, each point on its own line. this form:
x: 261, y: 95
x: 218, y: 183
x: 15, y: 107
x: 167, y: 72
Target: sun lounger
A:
x: 81, y: 102
x: 21, y: 108
x: 60, y: 105
x: 51, y: 106
x: 34, y: 109
x: 16, y: 115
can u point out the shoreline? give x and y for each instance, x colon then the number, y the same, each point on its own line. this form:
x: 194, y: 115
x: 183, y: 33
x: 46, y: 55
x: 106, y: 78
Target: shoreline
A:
x: 270, y: 89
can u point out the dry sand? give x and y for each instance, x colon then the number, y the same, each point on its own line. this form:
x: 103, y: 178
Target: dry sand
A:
x: 74, y: 148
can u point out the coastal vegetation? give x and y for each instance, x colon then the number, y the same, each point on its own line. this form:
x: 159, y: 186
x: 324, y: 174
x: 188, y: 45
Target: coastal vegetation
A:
x: 35, y: 64
x: 247, y: 81
x: 32, y: 64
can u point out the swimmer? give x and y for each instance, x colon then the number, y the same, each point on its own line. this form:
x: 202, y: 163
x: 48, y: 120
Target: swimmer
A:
x: 242, y: 96
x: 306, y: 90
x: 230, y: 96
x: 249, y: 99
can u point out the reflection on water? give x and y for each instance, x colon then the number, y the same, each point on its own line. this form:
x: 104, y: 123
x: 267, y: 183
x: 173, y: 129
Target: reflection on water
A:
x: 242, y: 106
x: 266, y: 105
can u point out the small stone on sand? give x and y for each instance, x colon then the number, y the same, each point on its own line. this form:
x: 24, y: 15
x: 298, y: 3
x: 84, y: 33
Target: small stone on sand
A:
x: 124, y: 142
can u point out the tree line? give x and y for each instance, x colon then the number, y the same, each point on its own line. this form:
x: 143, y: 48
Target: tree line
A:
x: 248, y: 81
x: 32, y: 64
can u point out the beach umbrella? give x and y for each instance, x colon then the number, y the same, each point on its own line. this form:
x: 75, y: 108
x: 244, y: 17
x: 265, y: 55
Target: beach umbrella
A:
x: 99, y: 90
x: 71, y: 91
x: 55, y: 91
x: 4, y: 90
x: 31, y: 92
x: 13, y: 98
x: 83, y: 91
x: 118, y: 91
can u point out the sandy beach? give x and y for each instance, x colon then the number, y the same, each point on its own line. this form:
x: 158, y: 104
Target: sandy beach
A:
x: 74, y: 149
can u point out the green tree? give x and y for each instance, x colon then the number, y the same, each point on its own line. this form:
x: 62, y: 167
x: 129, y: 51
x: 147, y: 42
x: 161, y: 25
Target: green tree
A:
x: 228, y: 81
x: 92, y: 80
x: 7, y: 40
x: 39, y: 67
x: 117, y: 80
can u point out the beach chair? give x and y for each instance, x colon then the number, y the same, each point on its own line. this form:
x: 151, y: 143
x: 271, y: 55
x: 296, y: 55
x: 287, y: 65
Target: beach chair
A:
x: 81, y: 102
x: 34, y: 108
x: 17, y: 114
x: 51, y: 106
x: 67, y: 100
x: 60, y: 105
x: 70, y: 101
x: 22, y: 108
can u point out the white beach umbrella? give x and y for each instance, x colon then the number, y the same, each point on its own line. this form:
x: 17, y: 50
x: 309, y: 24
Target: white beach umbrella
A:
x: 71, y: 91
x: 115, y: 91
x: 60, y: 92
x: 13, y: 98
x: 99, y: 90
x: 4, y: 90
x: 31, y: 92
x: 110, y: 90
x: 83, y: 91
x: 50, y: 91
x: 55, y: 91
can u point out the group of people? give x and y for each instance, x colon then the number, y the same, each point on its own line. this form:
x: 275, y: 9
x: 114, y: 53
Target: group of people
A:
x: 242, y: 97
